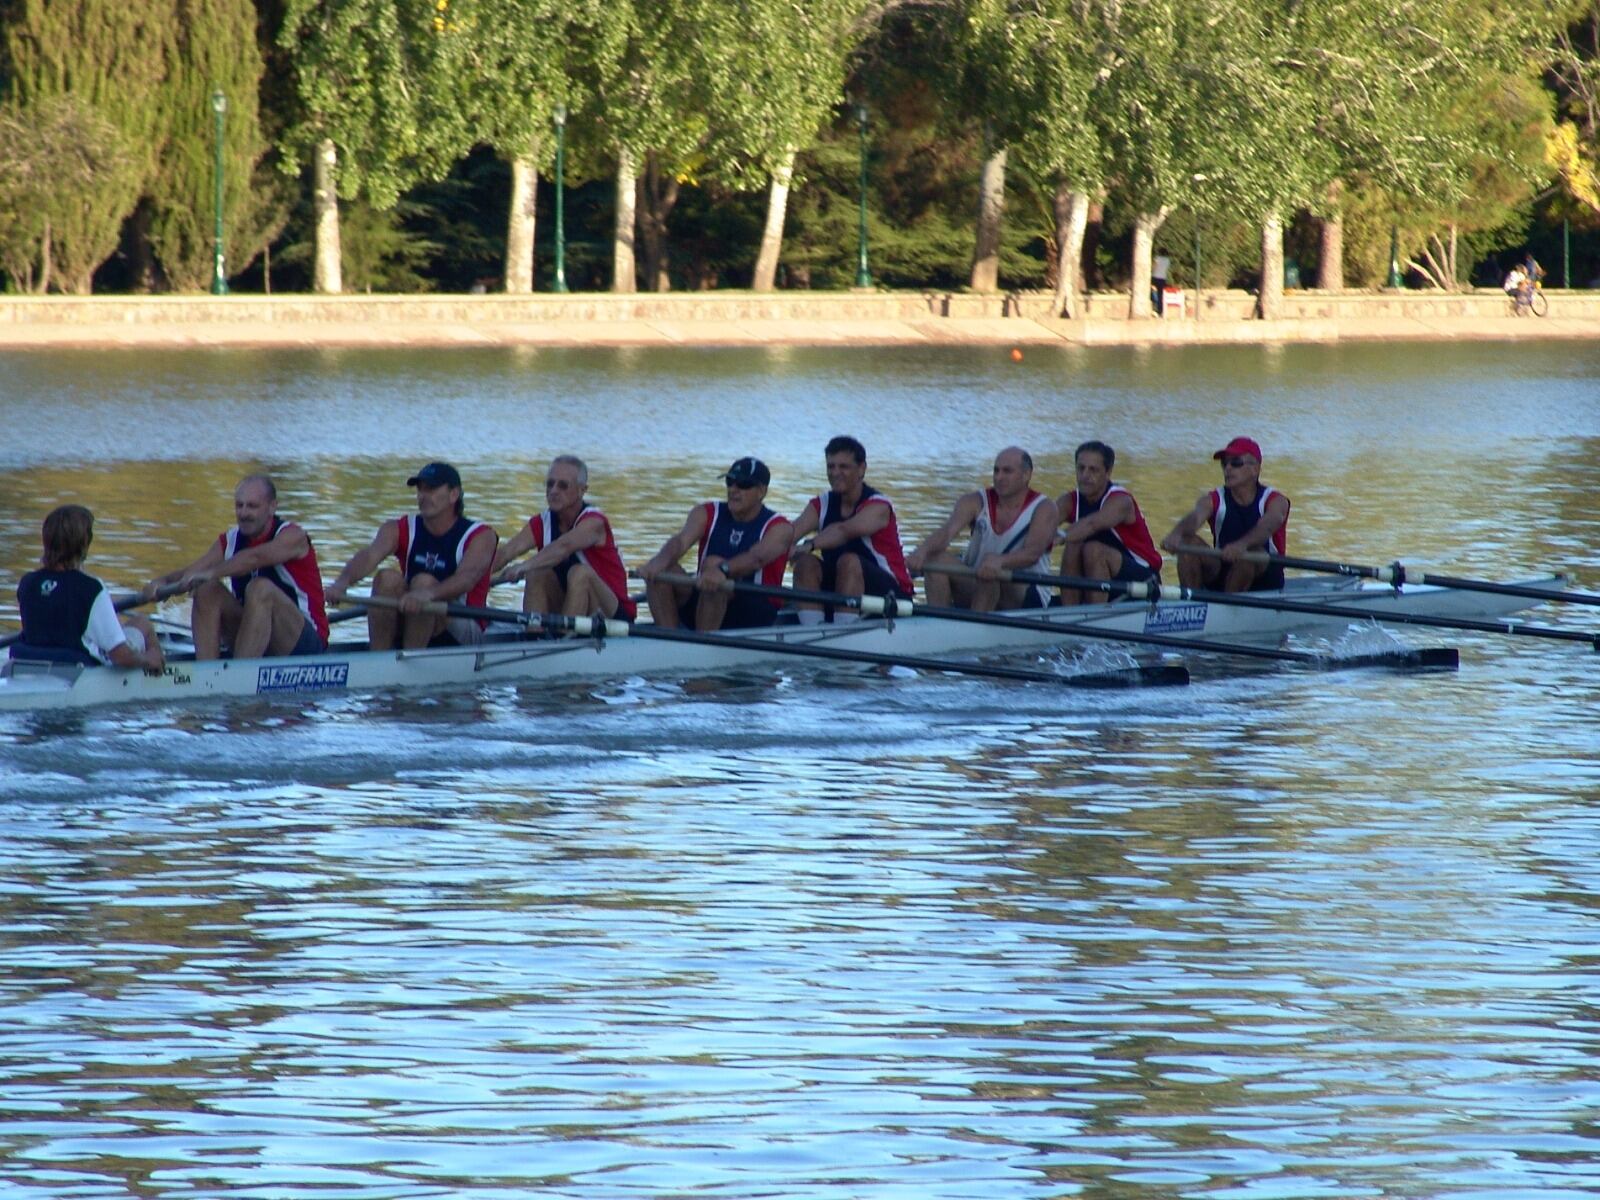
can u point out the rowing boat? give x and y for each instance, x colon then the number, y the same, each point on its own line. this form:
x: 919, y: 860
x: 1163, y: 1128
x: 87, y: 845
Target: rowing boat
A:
x: 507, y: 658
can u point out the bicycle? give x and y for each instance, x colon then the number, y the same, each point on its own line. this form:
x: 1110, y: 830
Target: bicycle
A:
x: 1528, y: 298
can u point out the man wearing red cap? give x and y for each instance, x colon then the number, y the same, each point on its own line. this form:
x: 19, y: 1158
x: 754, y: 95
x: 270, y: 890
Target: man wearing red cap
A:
x: 1243, y: 514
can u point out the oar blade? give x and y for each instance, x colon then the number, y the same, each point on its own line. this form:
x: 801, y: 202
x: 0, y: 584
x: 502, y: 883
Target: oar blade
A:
x: 1155, y: 675
x: 1427, y: 658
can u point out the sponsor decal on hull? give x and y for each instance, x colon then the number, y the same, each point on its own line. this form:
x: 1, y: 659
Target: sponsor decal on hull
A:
x: 1177, y: 618
x: 303, y: 677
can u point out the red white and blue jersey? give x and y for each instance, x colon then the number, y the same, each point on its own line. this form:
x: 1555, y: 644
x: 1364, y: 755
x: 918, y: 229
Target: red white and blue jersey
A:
x: 421, y: 551
x: 882, y: 547
x: 1230, y: 521
x: 726, y: 537
x: 989, y: 538
x: 603, y: 559
x: 1133, y: 538
x: 300, y: 579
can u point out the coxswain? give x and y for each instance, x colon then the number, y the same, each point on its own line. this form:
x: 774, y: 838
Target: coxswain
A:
x: 68, y: 616
x: 444, y: 556
x: 1243, y: 515
x: 257, y: 588
x: 847, y: 539
x: 738, y: 538
x: 576, y: 568
x: 1011, y: 528
x: 1106, y: 537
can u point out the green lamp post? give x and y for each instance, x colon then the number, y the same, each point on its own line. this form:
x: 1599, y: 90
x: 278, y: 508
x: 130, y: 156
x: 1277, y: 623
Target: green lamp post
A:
x: 560, y: 118
x: 863, y: 275
x: 219, y: 276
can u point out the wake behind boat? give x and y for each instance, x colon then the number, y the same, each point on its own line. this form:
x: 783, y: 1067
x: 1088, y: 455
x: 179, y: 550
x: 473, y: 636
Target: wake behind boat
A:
x: 508, y: 658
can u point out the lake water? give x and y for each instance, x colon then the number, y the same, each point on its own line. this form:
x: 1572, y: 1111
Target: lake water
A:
x: 1280, y: 934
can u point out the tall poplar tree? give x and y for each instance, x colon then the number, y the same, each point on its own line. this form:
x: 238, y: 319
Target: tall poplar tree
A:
x: 112, y: 57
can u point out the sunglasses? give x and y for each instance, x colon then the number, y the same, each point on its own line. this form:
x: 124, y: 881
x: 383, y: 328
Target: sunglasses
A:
x: 1237, y: 462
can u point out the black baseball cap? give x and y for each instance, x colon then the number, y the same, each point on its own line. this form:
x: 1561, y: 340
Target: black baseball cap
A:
x: 748, y: 472
x: 435, y: 474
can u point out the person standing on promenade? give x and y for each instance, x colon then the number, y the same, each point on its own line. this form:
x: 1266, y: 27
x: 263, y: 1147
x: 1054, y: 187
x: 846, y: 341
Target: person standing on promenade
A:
x: 576, y: 568
x: 443, y: 555
x: 67, y: 615
x: 1106, y: 536
x: 739, y: 538
x: 257, y: 588
x: 851, y: 540
x: 1011, y: 527
x: 1243, y: 514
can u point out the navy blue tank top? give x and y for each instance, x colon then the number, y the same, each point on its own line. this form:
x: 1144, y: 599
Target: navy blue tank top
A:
x: 55, y: 615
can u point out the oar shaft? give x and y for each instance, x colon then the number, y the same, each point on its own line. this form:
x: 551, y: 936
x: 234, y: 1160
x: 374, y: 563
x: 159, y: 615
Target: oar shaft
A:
x: 614, y: 628
x: 1274, y: 604
x: 121, y: 604
x: 1398, y: 574
x: 1062, y: 629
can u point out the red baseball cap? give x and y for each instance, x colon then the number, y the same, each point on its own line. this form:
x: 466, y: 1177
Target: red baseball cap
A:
x: 1240, y: 445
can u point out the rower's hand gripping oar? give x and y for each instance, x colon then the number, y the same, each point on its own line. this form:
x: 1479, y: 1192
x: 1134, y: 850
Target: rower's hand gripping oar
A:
x: 120, y: 604
x: 602, y: 628
x: 1397, y: 575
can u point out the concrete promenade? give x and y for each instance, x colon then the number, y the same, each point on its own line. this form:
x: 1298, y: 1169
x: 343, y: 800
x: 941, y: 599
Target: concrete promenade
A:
x: 730, y: 318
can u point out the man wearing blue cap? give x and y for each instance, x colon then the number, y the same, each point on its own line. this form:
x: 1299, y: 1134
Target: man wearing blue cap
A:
x: 739, y: 538
x: 443, y: 556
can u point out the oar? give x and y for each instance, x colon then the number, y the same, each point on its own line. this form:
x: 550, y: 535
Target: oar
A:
x: 1431, y: 659
x: 596, y: 627
x: 120, y: 604
x: 1398, y: 574
x: 1151, y: 591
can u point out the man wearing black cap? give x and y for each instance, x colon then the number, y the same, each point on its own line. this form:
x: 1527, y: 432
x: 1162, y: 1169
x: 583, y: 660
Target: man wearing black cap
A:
x: 739, y: 538
x: 443, y: 556
x: 1243, y: 514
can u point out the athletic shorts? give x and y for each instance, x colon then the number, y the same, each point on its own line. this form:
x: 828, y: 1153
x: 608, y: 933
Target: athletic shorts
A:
x: 458, y: 631
x: 1133, y: 571
x: 310, y: 640
x: 878, y: 581
x: 744, y: 611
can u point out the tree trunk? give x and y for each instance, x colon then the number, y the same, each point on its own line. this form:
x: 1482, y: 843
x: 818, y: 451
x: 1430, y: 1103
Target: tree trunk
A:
x: 46, y: 261
x: 772, y: 235
x: 1330, y: 271
x: 326, y: 278
x: 623, y: 278
x: 1144, y: 239
x: 1072, y: 222
x: 1270, y: 297
x: 1089, y: 272
x: 522, y: 221
x: 991, y: 208
x: 658, y: 195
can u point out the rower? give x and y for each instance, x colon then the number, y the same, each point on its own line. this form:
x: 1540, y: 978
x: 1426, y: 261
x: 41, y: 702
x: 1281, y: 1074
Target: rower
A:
x: 1243, y: 515
x: 1011, y: 527
x: 67, y: 615
x: 576, y: 569
x: 847, y: 538
x: 443, y: 555
x: 1106, y: 536
x: 739, y: 538
x: 257, y: 588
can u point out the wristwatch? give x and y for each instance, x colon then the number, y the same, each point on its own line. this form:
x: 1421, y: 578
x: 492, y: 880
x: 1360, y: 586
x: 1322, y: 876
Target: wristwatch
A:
x: 723, y: 567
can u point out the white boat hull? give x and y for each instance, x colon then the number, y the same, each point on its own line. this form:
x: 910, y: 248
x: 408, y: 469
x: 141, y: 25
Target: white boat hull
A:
x: 28, y: 687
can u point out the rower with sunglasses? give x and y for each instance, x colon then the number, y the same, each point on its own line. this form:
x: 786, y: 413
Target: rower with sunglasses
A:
x: 1243, y: 514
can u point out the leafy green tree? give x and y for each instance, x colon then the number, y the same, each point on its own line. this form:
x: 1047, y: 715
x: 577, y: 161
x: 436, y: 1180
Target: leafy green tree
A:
x: 215, y: 50
x: 111, y: 57
x: 53, y: 150
x: 375, y: 111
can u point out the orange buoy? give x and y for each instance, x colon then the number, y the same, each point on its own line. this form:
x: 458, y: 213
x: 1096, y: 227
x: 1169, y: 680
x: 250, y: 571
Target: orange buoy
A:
x: 1016, y: 355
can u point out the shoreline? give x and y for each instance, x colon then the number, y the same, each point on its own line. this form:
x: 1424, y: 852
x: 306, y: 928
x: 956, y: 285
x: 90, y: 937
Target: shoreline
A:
x: 731, y: 319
